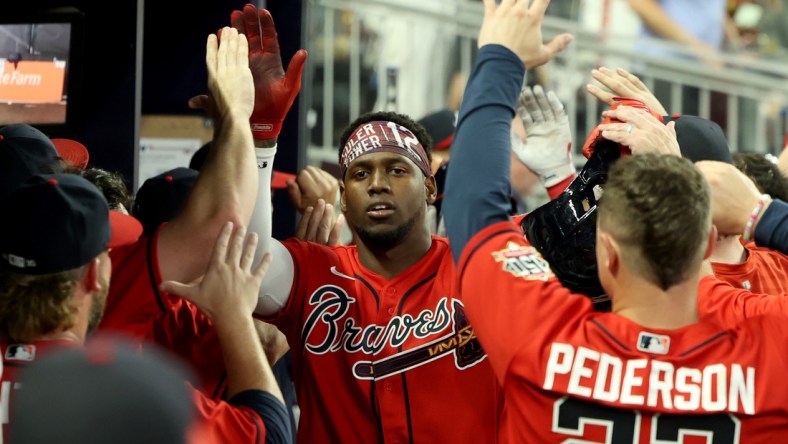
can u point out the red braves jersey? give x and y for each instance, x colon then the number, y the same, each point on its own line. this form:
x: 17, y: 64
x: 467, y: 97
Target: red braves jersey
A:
x: 139, y: 311
x: 764, y: 271
x: 385, y: 360
x: 187, y: 333
x: 727, y: 306
x: 572, y: 374
x: 215, y: 421
x: 134, y: 301
x: 14, y: 357
x: 220, y: 422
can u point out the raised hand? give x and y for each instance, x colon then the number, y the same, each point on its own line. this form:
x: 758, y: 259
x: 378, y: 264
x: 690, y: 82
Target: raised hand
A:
x: 517, y: 26
x: 230, y: 286
x: 622, y: 83
x: 275, y: 90
x: 320, y: 224
x: 548, y: 148
x: 310, y: 185
x: 230, y: 86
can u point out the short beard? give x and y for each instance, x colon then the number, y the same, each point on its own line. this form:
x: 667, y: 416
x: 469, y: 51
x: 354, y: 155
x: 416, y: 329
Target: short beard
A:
x: 388, y: 239
x: 97, y: 310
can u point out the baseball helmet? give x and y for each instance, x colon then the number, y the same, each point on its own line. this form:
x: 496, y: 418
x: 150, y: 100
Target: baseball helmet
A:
x: 564, y: 229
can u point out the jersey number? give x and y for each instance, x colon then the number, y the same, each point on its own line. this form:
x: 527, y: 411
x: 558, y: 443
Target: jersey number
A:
x: 571, y: 415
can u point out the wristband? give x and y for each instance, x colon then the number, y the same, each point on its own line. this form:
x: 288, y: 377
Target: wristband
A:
x: 756, y: 212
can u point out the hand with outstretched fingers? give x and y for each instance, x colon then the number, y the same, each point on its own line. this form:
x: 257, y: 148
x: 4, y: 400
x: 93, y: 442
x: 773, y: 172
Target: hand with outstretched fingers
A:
x: 548, y: 148
x: 516, y: 25
x: 622, y: 83
x: 275, y: 89
x: 230, y: 287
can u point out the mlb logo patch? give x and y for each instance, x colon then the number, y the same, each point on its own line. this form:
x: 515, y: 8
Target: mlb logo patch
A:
x: 20, y: 352
x: 653, y: 343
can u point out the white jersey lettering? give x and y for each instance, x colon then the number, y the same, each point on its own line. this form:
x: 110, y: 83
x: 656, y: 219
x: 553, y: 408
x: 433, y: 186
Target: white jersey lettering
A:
x: 588, y: 373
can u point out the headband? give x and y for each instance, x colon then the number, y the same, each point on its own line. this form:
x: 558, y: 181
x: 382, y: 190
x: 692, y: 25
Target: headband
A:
x: 383, y: 136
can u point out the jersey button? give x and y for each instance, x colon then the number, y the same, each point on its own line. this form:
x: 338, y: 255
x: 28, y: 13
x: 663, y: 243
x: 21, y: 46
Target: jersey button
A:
x: 391, y: 310
x: 391, y: 291
x: 389, y: 386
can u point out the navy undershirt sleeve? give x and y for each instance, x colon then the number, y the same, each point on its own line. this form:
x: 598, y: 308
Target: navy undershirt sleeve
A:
x: 271, y: 410
x: 772, y: 230
x: 478, y: 187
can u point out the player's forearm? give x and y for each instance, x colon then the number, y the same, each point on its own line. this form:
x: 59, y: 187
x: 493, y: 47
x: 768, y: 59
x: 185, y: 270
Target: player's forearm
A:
x: 481, y: 148
x: 658, y: 21
x: 224, y: 191
x: 246, y: 363
x: 227, y: 185
x: 275, y: 289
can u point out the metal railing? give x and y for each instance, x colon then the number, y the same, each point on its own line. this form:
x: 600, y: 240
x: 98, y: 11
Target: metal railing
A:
x: 746, y: 95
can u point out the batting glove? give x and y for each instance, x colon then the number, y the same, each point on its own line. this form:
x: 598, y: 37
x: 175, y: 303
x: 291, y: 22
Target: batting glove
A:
x: 275, y: 90
x: 548, y: 147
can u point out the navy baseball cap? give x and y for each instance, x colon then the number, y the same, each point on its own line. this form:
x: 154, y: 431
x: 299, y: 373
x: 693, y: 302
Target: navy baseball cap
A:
x: 105, y: 392
x: 700, y: 139
x: 25, y: 151
x: 162, y: 197
x: 440, y: 125
x: 59, y: 222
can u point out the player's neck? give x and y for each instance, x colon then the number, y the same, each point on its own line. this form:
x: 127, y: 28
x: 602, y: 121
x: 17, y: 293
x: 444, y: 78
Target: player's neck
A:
x: 649, y: 306
x: 729, y: 250
x: 67, y: 335
x: 391, y: 262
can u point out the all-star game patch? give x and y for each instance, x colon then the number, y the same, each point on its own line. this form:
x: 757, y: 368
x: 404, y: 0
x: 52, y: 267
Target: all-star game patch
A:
x: 524, y: 262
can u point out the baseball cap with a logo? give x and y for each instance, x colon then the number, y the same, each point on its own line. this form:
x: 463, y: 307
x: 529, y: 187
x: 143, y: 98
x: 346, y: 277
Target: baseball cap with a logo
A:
x: 59, y: 222
x: 25, y: 151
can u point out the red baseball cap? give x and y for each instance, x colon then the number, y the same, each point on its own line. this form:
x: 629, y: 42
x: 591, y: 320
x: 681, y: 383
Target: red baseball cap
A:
x: 72, y: 152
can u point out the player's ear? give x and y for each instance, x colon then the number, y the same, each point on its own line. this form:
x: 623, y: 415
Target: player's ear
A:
x: 431, y: 188
x: 90, y: 275
x: 712, y: 242
x: 611, y: 259
x: 342, y: 199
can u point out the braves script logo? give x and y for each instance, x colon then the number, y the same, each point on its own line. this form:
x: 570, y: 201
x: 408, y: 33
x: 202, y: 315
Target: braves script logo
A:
x: 524, y: 262
x: 340, y: 332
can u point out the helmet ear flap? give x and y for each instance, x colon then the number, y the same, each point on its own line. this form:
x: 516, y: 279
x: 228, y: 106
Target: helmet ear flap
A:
x: 564, y: 229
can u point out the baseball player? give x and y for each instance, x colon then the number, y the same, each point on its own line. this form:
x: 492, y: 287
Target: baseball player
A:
x: 382, y: 350
x: 742, y: 264
x: 381, y: 347
x: 650, y: 371
x: 54, y: 279
x: 224, y: 190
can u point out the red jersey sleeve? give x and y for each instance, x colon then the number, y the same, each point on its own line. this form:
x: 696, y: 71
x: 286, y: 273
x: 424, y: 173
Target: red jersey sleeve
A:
x: 219, y: 421
x: 509, y: 305
x: 727, y: 306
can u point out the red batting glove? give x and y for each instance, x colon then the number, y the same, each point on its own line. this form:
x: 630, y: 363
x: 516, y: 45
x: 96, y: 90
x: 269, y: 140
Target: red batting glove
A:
x: 275, y: 91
